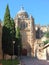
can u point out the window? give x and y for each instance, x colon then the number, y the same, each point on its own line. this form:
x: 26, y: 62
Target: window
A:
x: 23, y: 25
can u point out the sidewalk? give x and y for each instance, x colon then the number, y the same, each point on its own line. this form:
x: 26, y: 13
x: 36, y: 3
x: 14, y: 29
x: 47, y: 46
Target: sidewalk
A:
x: 33, y: 61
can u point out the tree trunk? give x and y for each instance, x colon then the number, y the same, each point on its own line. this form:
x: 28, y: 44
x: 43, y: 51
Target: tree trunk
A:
x: 11, y: 57
x: 3, y: 55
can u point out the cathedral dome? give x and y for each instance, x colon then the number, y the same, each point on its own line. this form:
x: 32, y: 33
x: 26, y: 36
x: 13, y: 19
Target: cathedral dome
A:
x: 22, y: 13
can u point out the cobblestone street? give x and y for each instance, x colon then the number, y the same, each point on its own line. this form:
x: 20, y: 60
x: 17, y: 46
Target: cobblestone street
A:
x: 33, y: 61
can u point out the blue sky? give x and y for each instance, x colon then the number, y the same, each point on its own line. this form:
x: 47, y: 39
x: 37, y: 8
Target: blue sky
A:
x: 38, y: 8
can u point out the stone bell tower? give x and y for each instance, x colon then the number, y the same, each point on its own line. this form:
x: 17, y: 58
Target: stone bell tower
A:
x: 27, y: 30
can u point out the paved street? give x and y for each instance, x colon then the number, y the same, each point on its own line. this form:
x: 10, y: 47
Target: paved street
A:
x: 33, y: 61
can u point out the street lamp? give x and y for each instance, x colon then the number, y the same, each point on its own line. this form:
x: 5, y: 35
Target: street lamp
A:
x: 13, y: 48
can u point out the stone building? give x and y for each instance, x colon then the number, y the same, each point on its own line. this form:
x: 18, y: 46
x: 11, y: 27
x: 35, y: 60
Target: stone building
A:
x: 27, y: 30
x: 31, y: 35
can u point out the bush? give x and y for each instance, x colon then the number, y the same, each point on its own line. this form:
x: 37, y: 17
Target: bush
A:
x: 45, y: 42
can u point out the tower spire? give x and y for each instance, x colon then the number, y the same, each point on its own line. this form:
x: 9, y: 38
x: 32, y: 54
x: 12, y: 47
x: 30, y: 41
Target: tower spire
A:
x: 22, y: 8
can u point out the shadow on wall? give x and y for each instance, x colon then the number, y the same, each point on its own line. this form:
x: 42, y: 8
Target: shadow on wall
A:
x: 39, y: 33
x: 47, y: 55
x: 36, y: 52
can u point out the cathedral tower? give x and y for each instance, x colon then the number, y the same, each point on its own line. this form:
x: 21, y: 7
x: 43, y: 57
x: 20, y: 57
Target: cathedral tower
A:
x: 27, y: 30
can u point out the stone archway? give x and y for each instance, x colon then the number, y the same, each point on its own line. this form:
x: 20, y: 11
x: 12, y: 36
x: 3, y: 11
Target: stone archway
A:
x: 24, y: 52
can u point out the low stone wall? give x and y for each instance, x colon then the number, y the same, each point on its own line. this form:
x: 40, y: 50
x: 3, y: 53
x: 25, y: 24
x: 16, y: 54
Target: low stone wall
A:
x: 41, y: 54
x: 1, y: 57
x: 9, y: 57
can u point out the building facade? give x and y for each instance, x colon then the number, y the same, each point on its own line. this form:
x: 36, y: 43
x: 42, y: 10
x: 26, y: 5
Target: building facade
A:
x: 27, y: 30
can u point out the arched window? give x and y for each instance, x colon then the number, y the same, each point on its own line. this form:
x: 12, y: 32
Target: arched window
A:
x: 23, y: 25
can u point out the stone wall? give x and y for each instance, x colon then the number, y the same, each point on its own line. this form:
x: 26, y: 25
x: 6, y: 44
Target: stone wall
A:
x: 41, y: 54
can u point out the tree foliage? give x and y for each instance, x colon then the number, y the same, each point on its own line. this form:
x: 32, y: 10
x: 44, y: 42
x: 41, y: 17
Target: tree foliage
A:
x: 18, y: 46
x: 7, y: 17
x: 47, y: 34
x: 18, y: 35
x: 45, y: 42
x: 8, y: 33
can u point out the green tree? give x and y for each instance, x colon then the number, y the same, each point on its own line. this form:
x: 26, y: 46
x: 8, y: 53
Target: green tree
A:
x: 18, y: 41
x: 8, y: 33
x: 7, y: 17
x: 18, y: 35
x: 12, y: 29
x: 47, y: 36
x: 12, y: 36
x: 45, y: 42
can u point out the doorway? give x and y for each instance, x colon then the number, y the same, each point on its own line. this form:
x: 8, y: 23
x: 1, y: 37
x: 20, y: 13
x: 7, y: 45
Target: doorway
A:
x: 24, y: 52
